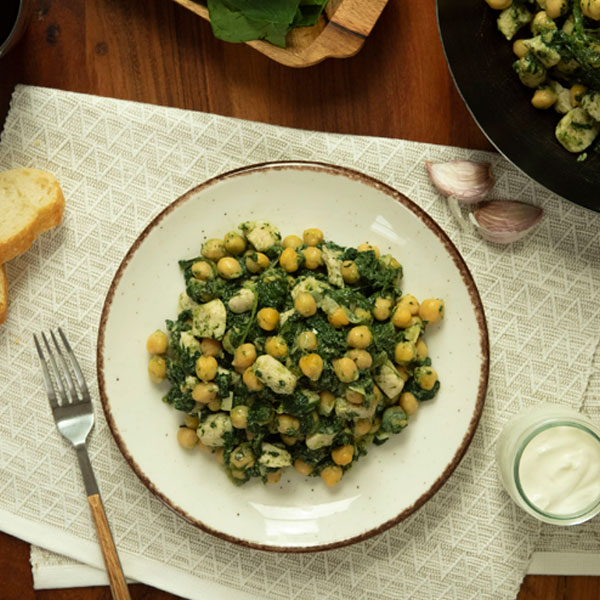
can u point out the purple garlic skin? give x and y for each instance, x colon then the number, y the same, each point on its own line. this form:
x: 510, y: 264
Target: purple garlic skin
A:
x: 505, y: 221
x: 467, y: 181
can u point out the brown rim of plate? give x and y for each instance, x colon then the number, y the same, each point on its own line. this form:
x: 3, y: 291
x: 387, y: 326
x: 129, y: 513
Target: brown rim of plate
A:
x: 458, y: 261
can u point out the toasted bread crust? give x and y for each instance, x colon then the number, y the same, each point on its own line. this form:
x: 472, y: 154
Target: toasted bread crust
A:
x: 3, y: 294
x: 46, y: 218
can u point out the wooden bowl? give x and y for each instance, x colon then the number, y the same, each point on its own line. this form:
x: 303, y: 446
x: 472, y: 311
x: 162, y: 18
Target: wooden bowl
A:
x: 340, y: 33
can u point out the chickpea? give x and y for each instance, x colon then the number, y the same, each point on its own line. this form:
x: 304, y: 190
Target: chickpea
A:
x: 354, y: 397
x: 404, y: 352
x: 213, y: 249
x: 542, y: 23
x: 366, y: 247
x: 382, y: 309
x: 276, y: 346
x: 377, y: 394
x: 591, y: 9
x: 363, y: 315
x: 401, y: 317
x: 576, y: 93
x: 499, y: 4
x: 214, y: 405
x: 362, y: 427
x: 350, y: 271
x: 267, y: 318
x: 360, y: 337
x: 252, y: 381
x: 288, y: 440
x: 409, y: 302
x: 238, y: 474
x: 376, y: 425
x: 331, y: 475
x: 422, y: 350
x: 229, y: 268
x: 305, y: 304
x: 239, y: 416
x: 307, y: 340
x: 403, y: 374
x: 544, y: 98
x: 274, y: 476
x: 187, y: 438
x: 205, y: 392
x: 409, y: 404
x: 244, y: 356
x: 302, y: 467
x: 234, y: 243
x: 219, y: 452
x: 210, y: 347
x: 425, y: 377
x: 157, y: 342
x: 202, y: 447
x: 556, y: 8
x: 313, y: 258
x: 432, y: 310
x: 202, y: 270
x: 569, y: 25
x: 312, y: 236
x: 345, y: 369
x: 157, y: 369
x: 191, y: 421
x: 338, y: 318
x: 257, y: 262
x: 289, y: 260
x: 242, y: 457
x: 520, y: 49
x: 327, y: 402
x: 312, y: 366
x: 287, y: 425
x: 206, y: 368
x: 292, y: 241
x: 362, y: 358
x: 343, y: 455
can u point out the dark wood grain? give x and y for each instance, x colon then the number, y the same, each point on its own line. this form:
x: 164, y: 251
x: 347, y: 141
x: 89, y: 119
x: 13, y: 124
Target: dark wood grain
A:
x: 156, y: 51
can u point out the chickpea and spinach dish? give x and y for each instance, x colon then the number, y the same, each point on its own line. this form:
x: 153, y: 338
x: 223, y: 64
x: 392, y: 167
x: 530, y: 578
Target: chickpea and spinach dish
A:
x: 559, y: 57
x: 296, y: 353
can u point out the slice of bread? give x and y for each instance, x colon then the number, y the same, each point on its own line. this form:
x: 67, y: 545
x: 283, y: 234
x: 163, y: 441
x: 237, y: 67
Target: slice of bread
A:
x: 31, y: 202
x: 3, y: 294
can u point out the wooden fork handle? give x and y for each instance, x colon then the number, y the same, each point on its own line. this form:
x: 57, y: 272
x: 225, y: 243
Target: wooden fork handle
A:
x: 118, y: 586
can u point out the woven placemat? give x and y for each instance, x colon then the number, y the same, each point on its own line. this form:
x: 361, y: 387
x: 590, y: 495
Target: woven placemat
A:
x: 119, y: 164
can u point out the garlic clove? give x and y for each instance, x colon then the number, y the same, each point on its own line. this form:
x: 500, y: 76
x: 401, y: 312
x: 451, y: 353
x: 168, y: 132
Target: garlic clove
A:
x: 467, y: 181
x: 505, y: 221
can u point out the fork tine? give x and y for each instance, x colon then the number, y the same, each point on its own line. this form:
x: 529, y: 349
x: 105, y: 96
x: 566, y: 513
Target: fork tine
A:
x: 76, y: 368
x: 47, y: 380
x: 66, y: 372
x: 59, y: 383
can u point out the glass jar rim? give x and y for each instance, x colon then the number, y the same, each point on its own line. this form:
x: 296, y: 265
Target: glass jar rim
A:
x: 585, y: 514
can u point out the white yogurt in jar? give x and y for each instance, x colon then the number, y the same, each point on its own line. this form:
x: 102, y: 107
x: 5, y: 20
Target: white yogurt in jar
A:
x: 548, y: 459
x: 559, y: 470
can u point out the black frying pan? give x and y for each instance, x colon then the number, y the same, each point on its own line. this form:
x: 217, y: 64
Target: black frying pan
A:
x: 480, y: 60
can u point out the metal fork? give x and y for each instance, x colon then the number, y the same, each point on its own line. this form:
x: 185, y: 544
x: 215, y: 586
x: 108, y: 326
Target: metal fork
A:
x: 74, y: 417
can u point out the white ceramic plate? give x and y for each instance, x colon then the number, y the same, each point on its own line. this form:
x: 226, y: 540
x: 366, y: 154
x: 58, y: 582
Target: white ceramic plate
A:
x: 298, y: 514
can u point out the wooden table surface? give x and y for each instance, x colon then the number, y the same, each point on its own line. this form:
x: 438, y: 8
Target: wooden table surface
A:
x: 155, y: 51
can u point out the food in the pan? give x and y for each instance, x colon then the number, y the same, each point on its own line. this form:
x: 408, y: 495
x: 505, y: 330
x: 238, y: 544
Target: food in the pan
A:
x: 557, y: 45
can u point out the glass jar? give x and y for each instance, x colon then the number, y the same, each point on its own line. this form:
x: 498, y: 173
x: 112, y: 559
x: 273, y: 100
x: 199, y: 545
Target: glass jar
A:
x: 519, y: 437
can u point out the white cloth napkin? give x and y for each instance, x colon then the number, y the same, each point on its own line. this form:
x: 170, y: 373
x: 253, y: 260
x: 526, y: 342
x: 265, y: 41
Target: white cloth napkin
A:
x: 119, y: 164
